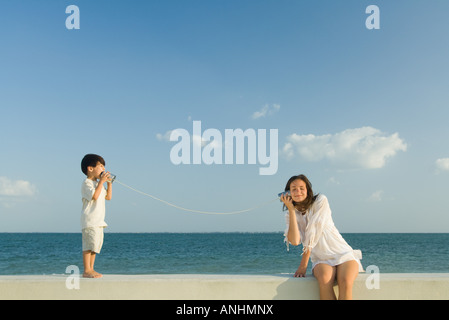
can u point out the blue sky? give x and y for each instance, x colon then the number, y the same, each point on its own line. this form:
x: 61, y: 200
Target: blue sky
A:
x: 363, y: 113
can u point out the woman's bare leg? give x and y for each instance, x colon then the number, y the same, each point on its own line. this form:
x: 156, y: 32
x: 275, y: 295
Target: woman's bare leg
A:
x: 325, y: 274
x: 346, y: 274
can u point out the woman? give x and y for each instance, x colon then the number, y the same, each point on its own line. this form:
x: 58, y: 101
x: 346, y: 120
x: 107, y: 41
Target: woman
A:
x: 309, y: 222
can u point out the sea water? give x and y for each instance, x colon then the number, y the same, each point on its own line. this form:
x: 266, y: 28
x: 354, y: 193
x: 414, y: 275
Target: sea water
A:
x: 212, y: 253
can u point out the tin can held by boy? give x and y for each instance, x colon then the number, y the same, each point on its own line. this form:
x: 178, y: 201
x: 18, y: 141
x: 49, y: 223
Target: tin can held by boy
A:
x: 111, y: 176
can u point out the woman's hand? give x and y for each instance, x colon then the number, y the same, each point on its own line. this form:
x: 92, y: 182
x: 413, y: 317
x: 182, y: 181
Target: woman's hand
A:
x: 301, y: 272
x: 288, y: 201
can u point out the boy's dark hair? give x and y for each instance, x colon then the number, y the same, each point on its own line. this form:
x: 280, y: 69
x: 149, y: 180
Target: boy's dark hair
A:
x: 91, y: 160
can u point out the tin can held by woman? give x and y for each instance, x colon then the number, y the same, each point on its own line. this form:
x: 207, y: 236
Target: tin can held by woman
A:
x: 287, y: 193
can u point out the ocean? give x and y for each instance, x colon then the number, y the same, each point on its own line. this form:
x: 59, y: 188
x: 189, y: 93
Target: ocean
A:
x: 212, y: 253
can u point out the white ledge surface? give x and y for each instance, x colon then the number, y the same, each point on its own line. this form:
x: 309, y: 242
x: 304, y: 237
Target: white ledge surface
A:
x: 391, y: 286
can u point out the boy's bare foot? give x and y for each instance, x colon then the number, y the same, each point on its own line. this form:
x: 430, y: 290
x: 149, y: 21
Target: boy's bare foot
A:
x: 92, y: 274
x: 98, y: 275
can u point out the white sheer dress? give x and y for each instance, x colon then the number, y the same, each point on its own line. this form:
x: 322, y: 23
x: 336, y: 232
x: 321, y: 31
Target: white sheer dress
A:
x: 319, y: 234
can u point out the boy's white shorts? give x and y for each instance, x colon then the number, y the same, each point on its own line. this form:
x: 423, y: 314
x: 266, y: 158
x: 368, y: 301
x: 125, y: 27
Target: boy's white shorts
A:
x: 93, y: 239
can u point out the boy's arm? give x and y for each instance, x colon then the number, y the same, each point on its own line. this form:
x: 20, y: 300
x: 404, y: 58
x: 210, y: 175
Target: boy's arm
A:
x: 97, y: 192
x: 109, y: 191
x: 99, y: 187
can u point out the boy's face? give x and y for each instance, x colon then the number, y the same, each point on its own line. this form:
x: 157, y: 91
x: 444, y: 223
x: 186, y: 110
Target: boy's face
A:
x: 95, y: 172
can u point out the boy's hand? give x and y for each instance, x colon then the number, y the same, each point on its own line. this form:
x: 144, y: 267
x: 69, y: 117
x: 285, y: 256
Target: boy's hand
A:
x: 104, y: 177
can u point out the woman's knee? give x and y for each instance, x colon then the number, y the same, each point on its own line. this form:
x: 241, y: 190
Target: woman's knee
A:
x: 324, y: 274
x: 347, y: 273
x: 345, y: 281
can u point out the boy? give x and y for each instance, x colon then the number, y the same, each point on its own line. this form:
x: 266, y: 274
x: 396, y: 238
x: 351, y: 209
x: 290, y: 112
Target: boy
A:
x: 93, y: 196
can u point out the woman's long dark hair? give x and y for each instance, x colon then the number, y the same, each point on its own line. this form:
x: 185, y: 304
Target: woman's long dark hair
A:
x: 302, y: 206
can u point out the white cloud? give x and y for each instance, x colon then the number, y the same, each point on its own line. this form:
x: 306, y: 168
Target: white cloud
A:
x: 333, y: 181
x: 376, y: 196
x: 196, y: 140
x: 442, y: 164
x: 266, y: 110
x: 16, y: 188
x: 164, y: 137
x: 365, y: 147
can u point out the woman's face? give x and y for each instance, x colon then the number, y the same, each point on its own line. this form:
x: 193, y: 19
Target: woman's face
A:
x: 298, y: 190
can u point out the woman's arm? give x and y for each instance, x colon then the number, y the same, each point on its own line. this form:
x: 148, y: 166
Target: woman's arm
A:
x: 301, y: 272
x: 293, y: 235
x: 293, y: 232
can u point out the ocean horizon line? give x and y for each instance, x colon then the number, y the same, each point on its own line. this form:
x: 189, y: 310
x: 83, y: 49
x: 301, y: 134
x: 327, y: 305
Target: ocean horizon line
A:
x: 202, y: 232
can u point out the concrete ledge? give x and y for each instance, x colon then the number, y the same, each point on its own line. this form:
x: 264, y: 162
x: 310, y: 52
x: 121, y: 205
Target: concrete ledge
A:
x: 396, y: 286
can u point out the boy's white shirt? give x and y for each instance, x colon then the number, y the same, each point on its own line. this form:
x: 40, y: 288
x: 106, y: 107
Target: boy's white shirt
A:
x: 94, y: 211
